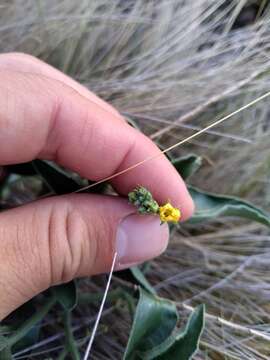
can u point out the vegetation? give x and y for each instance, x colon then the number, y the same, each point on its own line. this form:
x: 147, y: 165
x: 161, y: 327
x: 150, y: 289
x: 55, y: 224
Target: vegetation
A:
x: 170, y: 67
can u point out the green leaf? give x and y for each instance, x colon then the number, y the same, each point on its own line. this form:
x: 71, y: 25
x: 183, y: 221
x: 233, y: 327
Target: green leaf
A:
x: 29, y: 339
x: 210, y: 206
x: 154, y: 321
x: 22, y: 169
x: 18, y: 318
x: 5, y: 349
x: 71, y: 345
x: 185, y: 344
x: 28, y: 324
x: 187, y: 165
x: 139, y: 276
x: 19, y: 188
x: 135, y: 275
x: 57, y: 179
x: 66, y: 295
x: 62, y: 181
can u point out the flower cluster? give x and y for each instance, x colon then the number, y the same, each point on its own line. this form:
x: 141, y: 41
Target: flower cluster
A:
x: 144, y: 201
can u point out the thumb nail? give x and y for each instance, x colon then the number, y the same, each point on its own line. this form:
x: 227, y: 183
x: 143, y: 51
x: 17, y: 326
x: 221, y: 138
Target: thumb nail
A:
x: 140, y: 238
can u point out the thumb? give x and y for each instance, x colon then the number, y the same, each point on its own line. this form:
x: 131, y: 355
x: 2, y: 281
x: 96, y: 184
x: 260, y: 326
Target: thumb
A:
x: 55, y: 240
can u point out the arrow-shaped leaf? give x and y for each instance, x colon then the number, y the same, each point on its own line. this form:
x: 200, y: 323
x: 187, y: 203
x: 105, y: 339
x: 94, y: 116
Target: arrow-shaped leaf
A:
x: 182, y: 345
x: 210, y: 206
x: 66, y: 295
x: 154, y: 321
x: 140, y: 277
x: 187, y: 165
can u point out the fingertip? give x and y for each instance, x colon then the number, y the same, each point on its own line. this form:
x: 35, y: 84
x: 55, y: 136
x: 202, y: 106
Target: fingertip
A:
x: 188, y: 208
x: 181, y: 198
x: 140, y: 238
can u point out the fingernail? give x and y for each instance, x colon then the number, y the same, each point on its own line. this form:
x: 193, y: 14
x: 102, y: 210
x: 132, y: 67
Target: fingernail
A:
x: 140, y: 238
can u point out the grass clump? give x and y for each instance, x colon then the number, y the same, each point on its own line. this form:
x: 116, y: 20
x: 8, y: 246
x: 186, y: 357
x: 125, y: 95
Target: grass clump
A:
x: 169, y: 67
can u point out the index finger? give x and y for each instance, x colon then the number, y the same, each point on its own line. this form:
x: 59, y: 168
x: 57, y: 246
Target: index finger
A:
x: 44, y: 118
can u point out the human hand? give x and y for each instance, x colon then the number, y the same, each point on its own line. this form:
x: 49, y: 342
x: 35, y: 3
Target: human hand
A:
x: 45, y: 114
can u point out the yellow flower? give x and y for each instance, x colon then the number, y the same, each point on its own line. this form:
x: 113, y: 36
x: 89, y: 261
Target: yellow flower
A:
x: 169, y: 213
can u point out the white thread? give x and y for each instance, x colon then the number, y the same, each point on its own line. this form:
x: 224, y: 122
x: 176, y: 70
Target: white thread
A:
x: 89, y: 346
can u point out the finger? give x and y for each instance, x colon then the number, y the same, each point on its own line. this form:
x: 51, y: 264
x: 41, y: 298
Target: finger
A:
x: 55, y: 240
x: 44, y: 118
x: 21, y: 62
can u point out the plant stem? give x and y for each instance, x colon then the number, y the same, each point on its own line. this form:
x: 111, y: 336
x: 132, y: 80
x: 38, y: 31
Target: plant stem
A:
x: 62, y: 355
x: 93, y: 298
x: 71, y: 345
x: 29, y: 323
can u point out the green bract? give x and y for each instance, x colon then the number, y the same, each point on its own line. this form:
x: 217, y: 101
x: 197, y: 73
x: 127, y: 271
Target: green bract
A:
x: 143, y: 200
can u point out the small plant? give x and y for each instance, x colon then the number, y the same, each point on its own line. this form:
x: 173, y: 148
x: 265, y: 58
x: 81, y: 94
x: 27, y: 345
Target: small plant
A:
x: 144, y: 201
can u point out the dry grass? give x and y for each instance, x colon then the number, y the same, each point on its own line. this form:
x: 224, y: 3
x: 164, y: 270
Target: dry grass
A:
x: 173, y: 66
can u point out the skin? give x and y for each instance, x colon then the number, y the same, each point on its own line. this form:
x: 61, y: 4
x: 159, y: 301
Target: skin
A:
x: 45, y: 114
